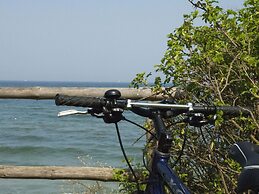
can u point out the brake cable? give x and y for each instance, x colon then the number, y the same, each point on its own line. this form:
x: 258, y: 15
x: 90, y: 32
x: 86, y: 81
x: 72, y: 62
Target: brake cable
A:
x: 150, y: 139
x: 183, y: 146
x: 125, y: 156
x: 132, y: 122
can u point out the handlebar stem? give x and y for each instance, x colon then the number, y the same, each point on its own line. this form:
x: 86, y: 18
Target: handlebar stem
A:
x: 164, y: 137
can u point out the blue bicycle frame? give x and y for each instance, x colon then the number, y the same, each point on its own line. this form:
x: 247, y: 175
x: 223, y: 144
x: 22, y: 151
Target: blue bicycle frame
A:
x: 161, y: 174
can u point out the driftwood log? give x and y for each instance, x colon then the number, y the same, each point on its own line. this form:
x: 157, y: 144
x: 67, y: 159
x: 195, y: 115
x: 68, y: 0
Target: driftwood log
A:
x: 41, y: 93
x: 59, y: 172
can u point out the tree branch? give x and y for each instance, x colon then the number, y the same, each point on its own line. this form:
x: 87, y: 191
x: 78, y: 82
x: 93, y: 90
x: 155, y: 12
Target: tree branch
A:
x: 229, y: 71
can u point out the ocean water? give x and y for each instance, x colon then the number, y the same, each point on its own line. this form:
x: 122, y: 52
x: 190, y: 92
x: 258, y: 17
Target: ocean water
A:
x: 32, y: 134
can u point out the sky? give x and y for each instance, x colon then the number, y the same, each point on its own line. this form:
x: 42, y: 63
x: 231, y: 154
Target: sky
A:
x: 86, y: 40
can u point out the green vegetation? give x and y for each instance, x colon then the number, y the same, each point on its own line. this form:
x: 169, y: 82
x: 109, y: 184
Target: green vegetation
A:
x: 127, y: 185
x: 215, y: 63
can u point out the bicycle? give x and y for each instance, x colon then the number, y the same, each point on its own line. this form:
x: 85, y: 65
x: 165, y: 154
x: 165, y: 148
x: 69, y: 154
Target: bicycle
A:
x: 110, y: 108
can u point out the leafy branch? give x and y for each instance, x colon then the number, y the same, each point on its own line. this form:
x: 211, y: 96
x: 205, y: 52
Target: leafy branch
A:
x: 215, y: 63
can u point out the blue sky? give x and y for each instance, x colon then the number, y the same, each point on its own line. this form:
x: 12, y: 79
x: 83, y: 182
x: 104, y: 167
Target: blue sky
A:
x: 86, y: 40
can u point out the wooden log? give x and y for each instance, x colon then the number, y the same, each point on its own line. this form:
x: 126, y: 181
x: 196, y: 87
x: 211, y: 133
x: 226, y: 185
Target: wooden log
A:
x: 58, y: 172
x: 50, y: 92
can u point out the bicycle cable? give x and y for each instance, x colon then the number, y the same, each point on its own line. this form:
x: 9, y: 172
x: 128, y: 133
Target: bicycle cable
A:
x: 150, y: 139
x: 125, y: 156
x: 132, y: 122
x: 154, y: 136
x: 181, y: 152
x: 202, y: 135
x: 145, y: 152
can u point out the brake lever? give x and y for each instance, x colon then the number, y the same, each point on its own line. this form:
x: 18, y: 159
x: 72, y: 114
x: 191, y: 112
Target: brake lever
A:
x: 198, y: 120
x: 71, y: 112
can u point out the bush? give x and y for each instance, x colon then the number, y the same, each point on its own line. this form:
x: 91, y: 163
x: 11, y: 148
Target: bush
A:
x: 215, y: 63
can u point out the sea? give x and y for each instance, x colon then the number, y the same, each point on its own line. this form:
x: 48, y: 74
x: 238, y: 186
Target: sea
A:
x: 31, y: 134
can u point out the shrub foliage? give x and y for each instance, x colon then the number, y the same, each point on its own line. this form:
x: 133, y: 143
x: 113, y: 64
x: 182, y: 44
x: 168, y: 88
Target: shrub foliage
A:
x: 215, y: 63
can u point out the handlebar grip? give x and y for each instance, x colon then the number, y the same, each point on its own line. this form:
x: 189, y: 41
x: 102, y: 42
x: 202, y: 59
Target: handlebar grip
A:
x: 227, y: 110
x: 234, y: 110
x: 92, y: 102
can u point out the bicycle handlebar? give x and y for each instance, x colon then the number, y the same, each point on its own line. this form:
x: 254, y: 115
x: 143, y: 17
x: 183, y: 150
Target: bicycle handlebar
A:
x: 96, y: 102
x: 112, y: 107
